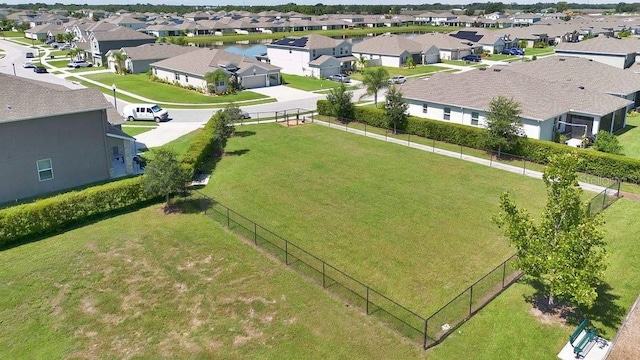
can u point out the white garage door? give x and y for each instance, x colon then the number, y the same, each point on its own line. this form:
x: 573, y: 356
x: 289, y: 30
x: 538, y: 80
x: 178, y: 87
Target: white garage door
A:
x: 431, y: 58
x: 251, y: 82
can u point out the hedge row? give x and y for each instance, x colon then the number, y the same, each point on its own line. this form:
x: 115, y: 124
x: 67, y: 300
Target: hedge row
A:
x: 58, y: 212
x: 595, y: 162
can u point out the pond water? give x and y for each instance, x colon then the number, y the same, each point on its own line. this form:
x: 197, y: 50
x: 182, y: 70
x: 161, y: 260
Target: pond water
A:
x: 252, y: 48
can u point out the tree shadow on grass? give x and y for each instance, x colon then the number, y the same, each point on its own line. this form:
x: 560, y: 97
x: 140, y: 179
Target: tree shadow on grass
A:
x: 193, y: 203
x: 605, y: 311
x: 236, y: 152
x: 244, y: 133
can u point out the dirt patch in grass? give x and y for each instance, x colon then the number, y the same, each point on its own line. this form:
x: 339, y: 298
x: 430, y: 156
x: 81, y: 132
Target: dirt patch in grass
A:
x: 547, y: 314
x: 627, y: 345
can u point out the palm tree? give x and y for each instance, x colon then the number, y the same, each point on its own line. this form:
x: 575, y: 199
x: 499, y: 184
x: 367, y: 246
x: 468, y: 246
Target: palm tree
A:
x: 374, y: 80
x: 119, y: 57
x: 60, y: 37
x: 69, y: 37
x: 75, y: 52
x: 410, y: 63
x: 361, y: 62
x: 213, y: 78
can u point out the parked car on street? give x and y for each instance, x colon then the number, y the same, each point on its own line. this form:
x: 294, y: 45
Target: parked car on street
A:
x: 340, y: 78
x: 153, y: 112
x: 398, y: 79
x: 29, y: 55
x: 512, y: 51
x: 78, y: 64
x: 64, y: 47
x: 40, y: 69
x: 28, y: 65
x: 472, y: 58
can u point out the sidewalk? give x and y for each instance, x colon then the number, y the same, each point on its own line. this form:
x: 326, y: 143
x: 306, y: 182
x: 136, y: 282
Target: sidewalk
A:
x: 457, y: 155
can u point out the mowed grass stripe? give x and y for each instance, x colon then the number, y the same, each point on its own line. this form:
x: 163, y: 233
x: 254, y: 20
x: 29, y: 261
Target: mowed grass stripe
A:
x: 149, y: 285
x: 413, y: 225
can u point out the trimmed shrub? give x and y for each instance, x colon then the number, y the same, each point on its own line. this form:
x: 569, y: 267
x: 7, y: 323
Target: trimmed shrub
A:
x: 200, y: 149
x: 595, y: 162
x: 57, y: 212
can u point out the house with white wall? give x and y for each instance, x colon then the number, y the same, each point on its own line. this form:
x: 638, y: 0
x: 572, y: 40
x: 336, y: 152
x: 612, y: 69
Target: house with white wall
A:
x: 607, y: 50
x: 447, y: 47
x: 391, y: 50
x: 546, y: 107
x: 300, y: 56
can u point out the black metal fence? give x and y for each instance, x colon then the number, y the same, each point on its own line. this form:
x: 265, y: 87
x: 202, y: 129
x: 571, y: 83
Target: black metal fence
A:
x: 605, y: 198
x: 290, y: 115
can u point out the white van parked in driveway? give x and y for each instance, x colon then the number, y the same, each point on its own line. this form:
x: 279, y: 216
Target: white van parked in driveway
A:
x: 145, y: 112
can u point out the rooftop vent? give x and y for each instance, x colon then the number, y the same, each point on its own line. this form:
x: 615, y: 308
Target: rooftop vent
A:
x: 581, y: 87
x: 8, y: 107
x: 482, y: 68
x: 497, y: 70
x: 562, y: 59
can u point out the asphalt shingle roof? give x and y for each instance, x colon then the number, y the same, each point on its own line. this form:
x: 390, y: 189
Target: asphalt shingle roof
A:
x: 205, y: 60
x: 387, y: 45
x: 22, y: 99
x: 120, y: 33
x: 603, y: 44
x: 157, y: 51
x: 539, y: 99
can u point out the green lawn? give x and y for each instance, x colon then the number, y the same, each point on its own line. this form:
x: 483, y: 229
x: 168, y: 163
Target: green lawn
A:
x: 149, y: 285
x: 629, y: 137
x: 412, y: 225
x: 140, y: 84
x: 535, y: 51
x: 405, y: 71
x: 9, y: 34
x: 501, y: 57
x: 136, y: 130
x: 308, y: 83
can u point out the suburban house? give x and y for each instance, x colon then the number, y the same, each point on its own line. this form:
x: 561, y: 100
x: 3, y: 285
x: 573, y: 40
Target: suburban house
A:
x: 546, y: 107
x: 313, y: 55
x: 116, y: 38
x: 41, y: 32
x: 447, y: 47
x: 488, y: 40
x: 587, y: 74
x: 139, y: 58
x: 127, y: 21
x: 190, y: 69
x: 607, y: 50
x: 392, y: 51
x: 47, y: 147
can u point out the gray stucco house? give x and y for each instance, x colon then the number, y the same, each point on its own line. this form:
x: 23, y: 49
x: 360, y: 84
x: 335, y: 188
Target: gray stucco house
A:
x: 116, y: 38
x: 140, y: 58
x: 53, y: 138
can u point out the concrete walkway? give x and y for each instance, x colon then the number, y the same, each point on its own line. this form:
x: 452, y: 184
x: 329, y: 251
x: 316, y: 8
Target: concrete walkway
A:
x: 457, y: 155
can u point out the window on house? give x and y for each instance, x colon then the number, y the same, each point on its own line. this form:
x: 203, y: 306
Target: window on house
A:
x: 313, y: 54
x: 186, y: 78
x: 220, y: 83
x: 333, y: 51
x: 177, y: 76
x: 447, y: 113
x: 45, y: 169
x: 474, y: 118
x: 341, y: 50
x: 425, y: 108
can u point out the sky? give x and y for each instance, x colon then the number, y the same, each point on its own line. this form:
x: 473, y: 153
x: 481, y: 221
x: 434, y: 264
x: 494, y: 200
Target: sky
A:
x: 280, y: 2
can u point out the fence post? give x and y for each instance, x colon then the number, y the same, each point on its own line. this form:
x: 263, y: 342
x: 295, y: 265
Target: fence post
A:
x: 604, y: 199
x: 367, y: 300
x: 228, y: 219
x: 385, y: 134
x: 470, y: 299
x: 426, y: 322
x: 491, y: 160
x: 524, y: 167
x: 460, y: 151
x: 504, y: 272
x: 286, y: 252
x: 434, y: 145
x: 408, y: 139
x: 255, y: 233
x: 365, y: 129
x: 324, y: 285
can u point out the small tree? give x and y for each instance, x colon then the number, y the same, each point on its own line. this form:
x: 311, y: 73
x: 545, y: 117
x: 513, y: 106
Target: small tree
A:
x: 164, y: 175
x: 223, y: 126
x: 361, y: 62
x: 60, y: 38
x: 119, y: 57
x: 374, y: 80
x: 607, y: 142
x: 213, y: 78
x: 340, y: 103
x: 565, y: 252
x: 410, y: 63
x: 74, y: 53
x: 504, y: 127
x: 69, y: 37
x: 396, y: 108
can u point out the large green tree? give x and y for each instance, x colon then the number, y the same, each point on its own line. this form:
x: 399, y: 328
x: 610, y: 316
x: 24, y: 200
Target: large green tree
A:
x: 375, y: 79
x: 164, y: 175
x: 564, y: 253
x: 340, y: 102
x: 395, y: 108
x: 504, y: 127
x: 607, y: 142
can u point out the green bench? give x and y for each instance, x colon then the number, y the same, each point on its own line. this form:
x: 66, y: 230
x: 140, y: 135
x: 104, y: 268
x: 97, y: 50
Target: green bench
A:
x: 583, y: 339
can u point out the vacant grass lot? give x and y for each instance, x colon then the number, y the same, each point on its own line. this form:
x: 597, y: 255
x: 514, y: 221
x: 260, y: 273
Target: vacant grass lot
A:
x: 629, y: 137
x: 140, y: 84
x: 405, y: 71
x: 308, y: 83
x: 413, y: 225
x: 149, y: 285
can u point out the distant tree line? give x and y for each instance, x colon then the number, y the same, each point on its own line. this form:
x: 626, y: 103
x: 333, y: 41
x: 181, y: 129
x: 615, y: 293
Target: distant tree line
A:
x: 320, y: 8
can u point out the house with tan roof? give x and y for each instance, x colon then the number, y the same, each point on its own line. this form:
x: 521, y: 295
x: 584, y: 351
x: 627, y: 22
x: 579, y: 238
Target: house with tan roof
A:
x: 52, y: 148
x: 392, y: 50
x: 190, y: 69
x: 139, y: 58
x: 116, y: 38
x: 607, y: 50
x: 547, y: 107
x: 448, y: 47
x: 312, y: 55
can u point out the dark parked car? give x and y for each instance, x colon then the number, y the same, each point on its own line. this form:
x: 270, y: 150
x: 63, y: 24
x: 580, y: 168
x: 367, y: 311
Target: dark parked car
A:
x: 40, y: 69
x: 512, y: 51
x: 340, y: 78
x: 472, y: 57
x: 29, y: 55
